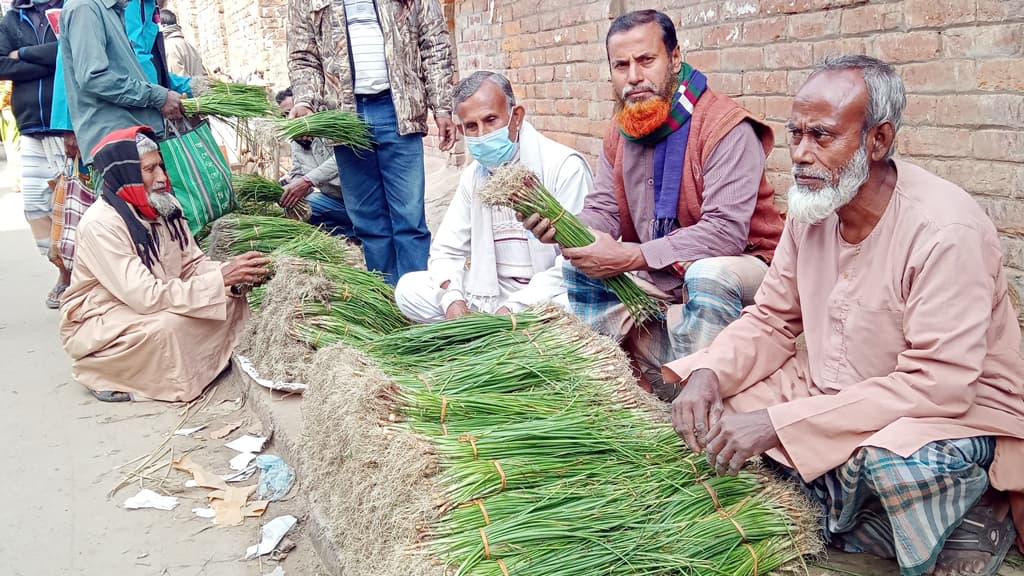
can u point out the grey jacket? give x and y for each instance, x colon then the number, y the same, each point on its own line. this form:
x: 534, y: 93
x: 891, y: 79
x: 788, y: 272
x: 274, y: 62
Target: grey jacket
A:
x: 317, y: 164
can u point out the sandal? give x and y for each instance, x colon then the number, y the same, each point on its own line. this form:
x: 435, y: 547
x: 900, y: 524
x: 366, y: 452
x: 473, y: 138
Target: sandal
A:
x: 983, y: 530
x: 111, y: 396
x: 53, y: 298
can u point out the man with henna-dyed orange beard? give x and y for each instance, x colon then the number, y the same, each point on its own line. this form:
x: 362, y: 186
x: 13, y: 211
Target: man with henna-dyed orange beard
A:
x: 680, y: 201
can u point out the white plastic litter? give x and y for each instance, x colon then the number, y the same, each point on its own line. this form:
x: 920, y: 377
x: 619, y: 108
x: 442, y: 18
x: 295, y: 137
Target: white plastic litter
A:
x: 188, y: 431
x: 242, y: 461
x: 249, y: 369
x: 247, y: 443
x: 149, y: 499
x: 204, y: 512
x: 271, y: 536
x: 241, y: 475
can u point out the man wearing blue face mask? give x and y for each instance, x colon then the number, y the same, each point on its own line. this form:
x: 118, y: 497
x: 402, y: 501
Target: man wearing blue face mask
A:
x: 482, y: 259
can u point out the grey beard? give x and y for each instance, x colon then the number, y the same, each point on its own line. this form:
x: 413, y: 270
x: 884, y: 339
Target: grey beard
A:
x: 163, y: 203
x: 812, y: 206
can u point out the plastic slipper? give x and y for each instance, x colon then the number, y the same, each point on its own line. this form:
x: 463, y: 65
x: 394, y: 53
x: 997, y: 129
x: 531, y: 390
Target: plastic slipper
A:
x: 983, y: 531
x: 53, y: 298
x: 111, y: 396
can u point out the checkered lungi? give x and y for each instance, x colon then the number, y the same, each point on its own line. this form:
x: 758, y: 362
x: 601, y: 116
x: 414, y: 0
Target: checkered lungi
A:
x: 904, y: 508
x: 716, y: 290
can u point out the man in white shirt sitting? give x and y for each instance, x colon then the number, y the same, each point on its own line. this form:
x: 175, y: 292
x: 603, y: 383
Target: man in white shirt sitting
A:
x: 482, y: 259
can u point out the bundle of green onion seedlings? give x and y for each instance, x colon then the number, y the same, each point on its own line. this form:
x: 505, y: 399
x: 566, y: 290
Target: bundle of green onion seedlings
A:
x: 516, y: 186
x: 235, y: 234
x: 336, y: 126
x: 254, y: 190
x: 229, y: 100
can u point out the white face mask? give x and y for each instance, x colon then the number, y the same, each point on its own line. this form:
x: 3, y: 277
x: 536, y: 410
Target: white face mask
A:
x: 493, y: 149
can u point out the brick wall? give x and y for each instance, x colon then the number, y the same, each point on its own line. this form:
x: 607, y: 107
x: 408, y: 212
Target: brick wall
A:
x: 962, y: 62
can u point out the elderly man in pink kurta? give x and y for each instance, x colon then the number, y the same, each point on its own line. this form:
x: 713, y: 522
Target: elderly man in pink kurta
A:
x: 148, y: 315
x: 904, y: 415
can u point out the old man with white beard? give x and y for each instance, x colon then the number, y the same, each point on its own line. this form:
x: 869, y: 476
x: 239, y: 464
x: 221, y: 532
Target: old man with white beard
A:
x: 903, y: 416
x: 148, y: 315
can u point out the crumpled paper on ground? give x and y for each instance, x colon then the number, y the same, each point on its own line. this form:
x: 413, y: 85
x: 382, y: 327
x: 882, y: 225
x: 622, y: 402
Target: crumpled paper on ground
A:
x: 233, y: 507
x: 201, y: 476
x: 276, y: 478
x: 270, y: 536
x: 146, y: 498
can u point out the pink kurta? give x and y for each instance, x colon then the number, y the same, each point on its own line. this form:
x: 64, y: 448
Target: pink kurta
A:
x: 910, y: 334
x: 163, y: 334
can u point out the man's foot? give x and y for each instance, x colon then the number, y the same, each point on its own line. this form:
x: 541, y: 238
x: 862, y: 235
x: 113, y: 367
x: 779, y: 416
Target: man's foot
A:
x: 978, y: 546
x: 53, y: 298
x: 111, y: 396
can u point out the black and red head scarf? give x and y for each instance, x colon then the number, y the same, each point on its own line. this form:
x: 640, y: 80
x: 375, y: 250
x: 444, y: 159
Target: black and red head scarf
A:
x: 116, y: 160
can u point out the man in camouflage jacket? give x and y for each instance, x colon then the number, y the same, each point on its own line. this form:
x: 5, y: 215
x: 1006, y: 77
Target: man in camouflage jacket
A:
x: 390, y: 61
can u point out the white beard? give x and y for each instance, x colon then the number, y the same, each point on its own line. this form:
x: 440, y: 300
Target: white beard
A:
x: 163, y: 202
x: 812, y: 206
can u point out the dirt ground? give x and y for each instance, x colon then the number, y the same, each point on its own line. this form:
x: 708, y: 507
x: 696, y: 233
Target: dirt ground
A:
x: 62, y: 453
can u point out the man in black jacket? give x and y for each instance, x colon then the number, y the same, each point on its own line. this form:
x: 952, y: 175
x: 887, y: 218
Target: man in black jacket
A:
x: 28, y: 57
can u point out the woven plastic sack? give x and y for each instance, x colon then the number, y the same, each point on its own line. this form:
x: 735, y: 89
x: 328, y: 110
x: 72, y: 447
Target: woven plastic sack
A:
x: 199, y: 174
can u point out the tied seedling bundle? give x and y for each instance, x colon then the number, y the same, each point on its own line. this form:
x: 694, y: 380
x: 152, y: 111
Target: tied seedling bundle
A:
x: 229, y: 101
x: 537, y: 456
x: 254, y: 191
x: 515, y: 186
x: 336, y: 126
x: 235, y: 234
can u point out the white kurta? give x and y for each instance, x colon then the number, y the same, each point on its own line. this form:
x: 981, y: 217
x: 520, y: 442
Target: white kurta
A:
x: 163, y: 334
x: 507, y: 266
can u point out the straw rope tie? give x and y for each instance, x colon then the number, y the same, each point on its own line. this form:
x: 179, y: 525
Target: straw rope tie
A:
x: 753, y: 554
x: 487, y: 518
x: 727, y: 516
x: 713, y: 493
x: 504, y: 570
x: 696, y: 473
x: 513, y: 317
x: 501, y: 472
x: 487, y: 546
x: 444, y: 411
x: 559, y: 217
x: 472, y: 442
x: 423, y: 379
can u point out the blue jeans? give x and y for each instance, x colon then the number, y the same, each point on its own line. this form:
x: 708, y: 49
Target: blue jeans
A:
x: 384, y: 190
x: 330, y: 213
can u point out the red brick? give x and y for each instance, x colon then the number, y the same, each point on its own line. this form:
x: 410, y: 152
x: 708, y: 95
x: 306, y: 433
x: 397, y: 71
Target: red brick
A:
x: 773, y: 82
x: 838, y: 48
x: 920, y: 109
x: 927, y: 141
x: 905, y: 46
x: 813, y: 25
x: 937, y: 13
x: 1000, y: 10
x: 530, y: 24
x: 1005, y: 213
x: 511, y: 28
x: 738, y: 9
x: 1001, y: 145
x: 764, y: 31
x: 795, y: 79
x: 729, y: 84
x: 938, y: 76
x: 700, y: 15
x: 778, y: 107
x: 979, y: 176
x: 779, y: 160
x: 736, y: 59
x: 706, y: 60
x: 784, y: 56
x: 981, y: 42
x: 1003, y: 74
x: 781, y: 182
x: 787, y: 6
x: 722, y: 35
x: 753, y: 104
x: 980, y: 110
x: 871, y: 18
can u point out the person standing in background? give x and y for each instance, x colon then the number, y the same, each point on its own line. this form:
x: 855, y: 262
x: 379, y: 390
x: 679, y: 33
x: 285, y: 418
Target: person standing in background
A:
x: 391, y: 62
x: 182, y: 58
x: 28, y: 58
